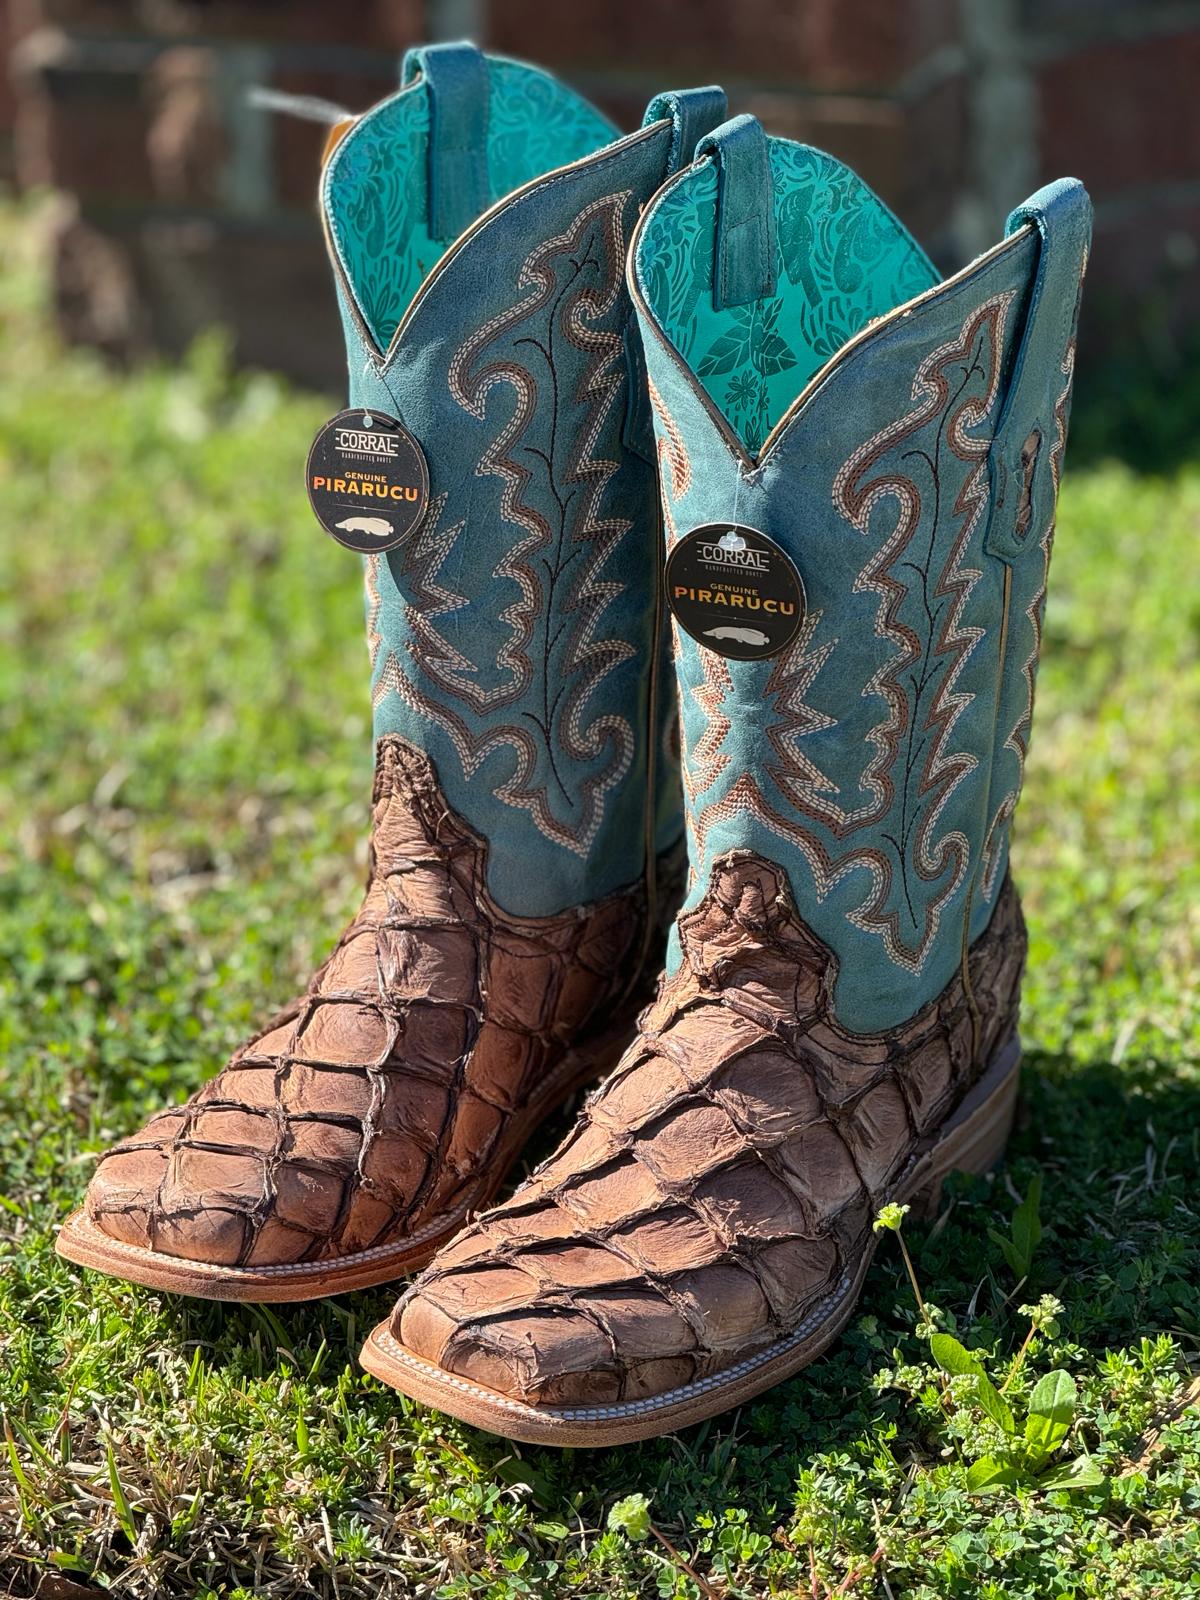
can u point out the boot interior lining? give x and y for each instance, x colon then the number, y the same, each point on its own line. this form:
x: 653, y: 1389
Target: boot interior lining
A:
x: 376, y: 191
x: 843, y: 259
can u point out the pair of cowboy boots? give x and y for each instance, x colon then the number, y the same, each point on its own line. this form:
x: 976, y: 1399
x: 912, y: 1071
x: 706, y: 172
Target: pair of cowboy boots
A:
x: 699, y: 329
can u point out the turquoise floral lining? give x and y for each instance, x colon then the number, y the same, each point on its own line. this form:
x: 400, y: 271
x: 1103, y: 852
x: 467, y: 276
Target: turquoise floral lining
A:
x: 844, y: 260
x: 376, y: 182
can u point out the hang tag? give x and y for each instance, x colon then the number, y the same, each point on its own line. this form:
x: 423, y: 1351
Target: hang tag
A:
x: 735, y: 591
x: 368, y: 481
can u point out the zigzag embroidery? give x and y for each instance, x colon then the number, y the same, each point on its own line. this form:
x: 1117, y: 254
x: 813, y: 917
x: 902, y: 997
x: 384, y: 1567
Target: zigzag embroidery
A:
x: 795, y: 773
x: 942, y: 770
x: 571, y: 618
x: 374, y: 604
x: 424, y: 561
x: 1018, y: 738
x: 674, y: 465
x: 703, y: 762
x: 932, y: 393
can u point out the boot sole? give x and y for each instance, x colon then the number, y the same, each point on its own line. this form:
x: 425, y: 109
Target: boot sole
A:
x: 972, y: 1141
x: 82, y: 1242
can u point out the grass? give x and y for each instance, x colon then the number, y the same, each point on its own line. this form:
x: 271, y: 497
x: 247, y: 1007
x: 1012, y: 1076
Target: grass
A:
x: 185, y: 744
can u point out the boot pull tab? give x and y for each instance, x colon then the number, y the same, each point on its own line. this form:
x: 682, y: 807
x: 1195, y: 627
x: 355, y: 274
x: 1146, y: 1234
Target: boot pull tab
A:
x: 457, y: 76
x: 1019, y: 458
x: 745, y: 265
x: 692, y: 113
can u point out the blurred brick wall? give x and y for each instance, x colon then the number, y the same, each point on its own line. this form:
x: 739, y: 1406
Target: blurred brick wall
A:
x: 185, y: 206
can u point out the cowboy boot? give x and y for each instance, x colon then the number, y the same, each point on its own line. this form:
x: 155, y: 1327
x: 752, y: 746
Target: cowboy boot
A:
x: 859, y: 471
x: 526, y: 819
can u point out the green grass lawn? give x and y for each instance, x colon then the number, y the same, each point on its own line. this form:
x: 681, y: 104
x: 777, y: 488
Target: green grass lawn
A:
x: 184, y: 767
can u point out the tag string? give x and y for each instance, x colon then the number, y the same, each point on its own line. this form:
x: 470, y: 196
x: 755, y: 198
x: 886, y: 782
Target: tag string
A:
x: 368, y: 369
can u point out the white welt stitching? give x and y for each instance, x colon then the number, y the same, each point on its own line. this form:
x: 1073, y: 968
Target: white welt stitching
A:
x: 1003, y: 1062
x: 565, y: 1070
x: 629, y: 1408
x: 330, y: 1265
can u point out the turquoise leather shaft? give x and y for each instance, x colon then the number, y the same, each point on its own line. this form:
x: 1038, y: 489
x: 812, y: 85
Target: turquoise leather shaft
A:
x: 908, y: 461
x: 514, y: 636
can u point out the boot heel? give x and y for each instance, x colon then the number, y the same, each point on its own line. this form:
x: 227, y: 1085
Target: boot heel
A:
x: 975, y: 1139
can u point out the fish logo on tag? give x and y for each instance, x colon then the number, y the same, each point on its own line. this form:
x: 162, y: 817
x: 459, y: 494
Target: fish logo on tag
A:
x: 367, y: 481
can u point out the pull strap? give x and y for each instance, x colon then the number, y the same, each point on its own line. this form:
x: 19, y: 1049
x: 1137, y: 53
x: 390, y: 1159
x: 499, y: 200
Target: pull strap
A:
x: 637, y: 431
x: 457, y: 75
x: 746, y: 260
x: 692, y: 112
x: 1062, y: 214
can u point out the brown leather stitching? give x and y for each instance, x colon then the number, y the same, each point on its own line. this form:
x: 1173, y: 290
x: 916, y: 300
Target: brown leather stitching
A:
x: 725, y: 1176
x: 374, y: 1102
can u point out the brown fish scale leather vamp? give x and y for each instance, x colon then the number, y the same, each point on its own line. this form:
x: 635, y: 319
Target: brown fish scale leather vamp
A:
x: 379, y: 1104
x: 724, y: 1179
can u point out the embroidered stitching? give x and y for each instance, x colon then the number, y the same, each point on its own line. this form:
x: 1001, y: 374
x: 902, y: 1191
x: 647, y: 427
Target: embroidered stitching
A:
x: 568, y: 759
x: 1018, y: 739
x: 913, y: 773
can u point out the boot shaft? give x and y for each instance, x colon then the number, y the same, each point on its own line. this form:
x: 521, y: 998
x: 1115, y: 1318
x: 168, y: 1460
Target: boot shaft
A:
x: 478, y: 222
x: 900, y: 440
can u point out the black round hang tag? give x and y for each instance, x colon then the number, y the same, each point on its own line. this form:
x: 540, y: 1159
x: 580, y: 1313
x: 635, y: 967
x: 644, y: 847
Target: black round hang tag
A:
x: 735, y: 591
x: 368, y: 482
